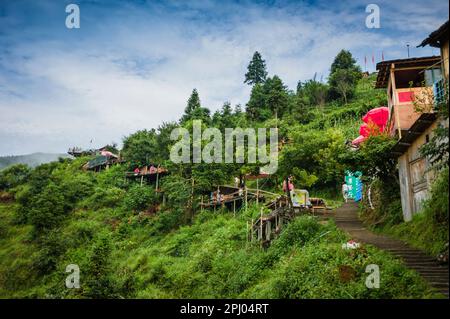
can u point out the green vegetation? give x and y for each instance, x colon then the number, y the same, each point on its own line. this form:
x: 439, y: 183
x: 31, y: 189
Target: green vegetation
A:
x: 131, y: 242
x: 256, y: 70
x: 429, y: 229
x: 119, y: 257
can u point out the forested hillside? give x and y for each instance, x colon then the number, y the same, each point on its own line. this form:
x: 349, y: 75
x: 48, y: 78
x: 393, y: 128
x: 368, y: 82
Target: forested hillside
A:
x: 31, y: 160
x: 129, y: 242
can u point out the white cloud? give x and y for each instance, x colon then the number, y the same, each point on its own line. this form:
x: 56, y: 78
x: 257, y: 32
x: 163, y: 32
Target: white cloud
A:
x: 136, y: 68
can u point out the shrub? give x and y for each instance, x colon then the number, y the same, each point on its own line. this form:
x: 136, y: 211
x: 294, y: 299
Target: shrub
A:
x: 47, y: 210
x: 51, y: 247
x: 104, y: 197
x: 298, y: 232
x: 99, y: 275
x: 139, y: 198
x: 13, y: 176
x: 76, y: 188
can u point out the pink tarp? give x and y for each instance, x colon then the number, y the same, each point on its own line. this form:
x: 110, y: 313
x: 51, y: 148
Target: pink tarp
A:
x: 364, y: 130
x: 107, y: 154
x: 378, y: 116
x: 358, y: 140
x: 374, y: 121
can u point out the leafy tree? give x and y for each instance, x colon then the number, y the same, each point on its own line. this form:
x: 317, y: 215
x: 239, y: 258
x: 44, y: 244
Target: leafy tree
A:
x: 224, y: 118
x: 374, y: 158
x: 256, y: 70
x: 344, y: 75
x: 13, y: 175
x: 312, y: 93
x: 313, y: 156
x: 193, y: 102
x: 28, y: 194
x: 141, y: 148
x: 201, y: 113
x: 267, y: 100
x: 76, y: 188
x: 343, y: 82
x: 178, y: 190
x: 163, y: 140
x: 344, y: 61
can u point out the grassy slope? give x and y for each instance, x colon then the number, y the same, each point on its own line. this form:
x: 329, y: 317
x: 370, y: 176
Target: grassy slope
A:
x: 210, y: 258
x: 428, y: 230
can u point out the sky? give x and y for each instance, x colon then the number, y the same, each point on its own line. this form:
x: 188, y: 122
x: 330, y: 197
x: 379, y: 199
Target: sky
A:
x: 133, y: 64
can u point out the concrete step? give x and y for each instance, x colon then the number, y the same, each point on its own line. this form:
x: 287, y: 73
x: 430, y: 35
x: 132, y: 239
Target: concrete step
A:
x: 346, y: 218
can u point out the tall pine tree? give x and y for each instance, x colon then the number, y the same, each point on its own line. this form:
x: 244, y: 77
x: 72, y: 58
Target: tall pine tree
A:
x: 194, y: 110
x: 256, y: 70
x: 192, y: 104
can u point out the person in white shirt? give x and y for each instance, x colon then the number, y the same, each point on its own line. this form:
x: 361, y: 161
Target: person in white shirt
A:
x: 345, y: 191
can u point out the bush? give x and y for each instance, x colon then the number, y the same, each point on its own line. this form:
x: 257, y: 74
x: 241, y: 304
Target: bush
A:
x: 13, y: 176
x: 428, y: 230
x: 139, y: 198
x: 99, y: 275
x: 297, y: 233
x: 51, y: 248
x: 76, y: 188
x: 168, y: 220
x: 103, y: 197
x: 436, y: 208
x: 47, y: 210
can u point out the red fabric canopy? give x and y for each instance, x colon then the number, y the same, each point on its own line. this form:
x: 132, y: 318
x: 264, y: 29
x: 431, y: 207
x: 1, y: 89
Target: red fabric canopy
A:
x: 374, y: 123
x: 378, y: 115
x: 364, y: 130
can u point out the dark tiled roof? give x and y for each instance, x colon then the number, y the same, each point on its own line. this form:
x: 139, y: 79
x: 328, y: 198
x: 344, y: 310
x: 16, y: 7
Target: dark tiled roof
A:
x: 435, y: 38
x: 384, y: 67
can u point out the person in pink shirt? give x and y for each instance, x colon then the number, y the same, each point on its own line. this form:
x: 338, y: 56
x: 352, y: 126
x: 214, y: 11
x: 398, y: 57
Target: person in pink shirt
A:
x: 290, y: 185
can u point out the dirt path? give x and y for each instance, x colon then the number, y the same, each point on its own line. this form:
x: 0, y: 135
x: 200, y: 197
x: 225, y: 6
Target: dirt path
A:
x: 437, y: 275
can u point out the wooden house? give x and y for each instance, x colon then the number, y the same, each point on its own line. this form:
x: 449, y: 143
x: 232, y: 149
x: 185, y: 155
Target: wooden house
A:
x: 414, y: 87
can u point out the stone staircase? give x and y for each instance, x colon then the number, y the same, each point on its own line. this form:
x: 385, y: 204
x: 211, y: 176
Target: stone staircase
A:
x: 346, y: 218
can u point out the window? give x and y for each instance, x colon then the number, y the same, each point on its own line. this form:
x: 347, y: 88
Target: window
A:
x: 439, y: 92
x: 432, y: 76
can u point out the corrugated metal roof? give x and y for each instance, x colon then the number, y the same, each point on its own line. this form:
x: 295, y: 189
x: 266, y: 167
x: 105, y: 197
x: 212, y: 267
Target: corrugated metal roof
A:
x: 97, y: 161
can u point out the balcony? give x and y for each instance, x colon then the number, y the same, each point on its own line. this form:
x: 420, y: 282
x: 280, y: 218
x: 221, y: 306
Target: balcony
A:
x: 406, y: 106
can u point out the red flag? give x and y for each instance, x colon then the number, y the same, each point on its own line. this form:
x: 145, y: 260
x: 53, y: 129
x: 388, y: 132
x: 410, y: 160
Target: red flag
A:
x: 382, y: 56
x: 373, y: 59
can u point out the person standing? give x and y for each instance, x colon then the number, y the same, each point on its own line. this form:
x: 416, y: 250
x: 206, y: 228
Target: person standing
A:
x: 288, y: 188
x: 345, y: 191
